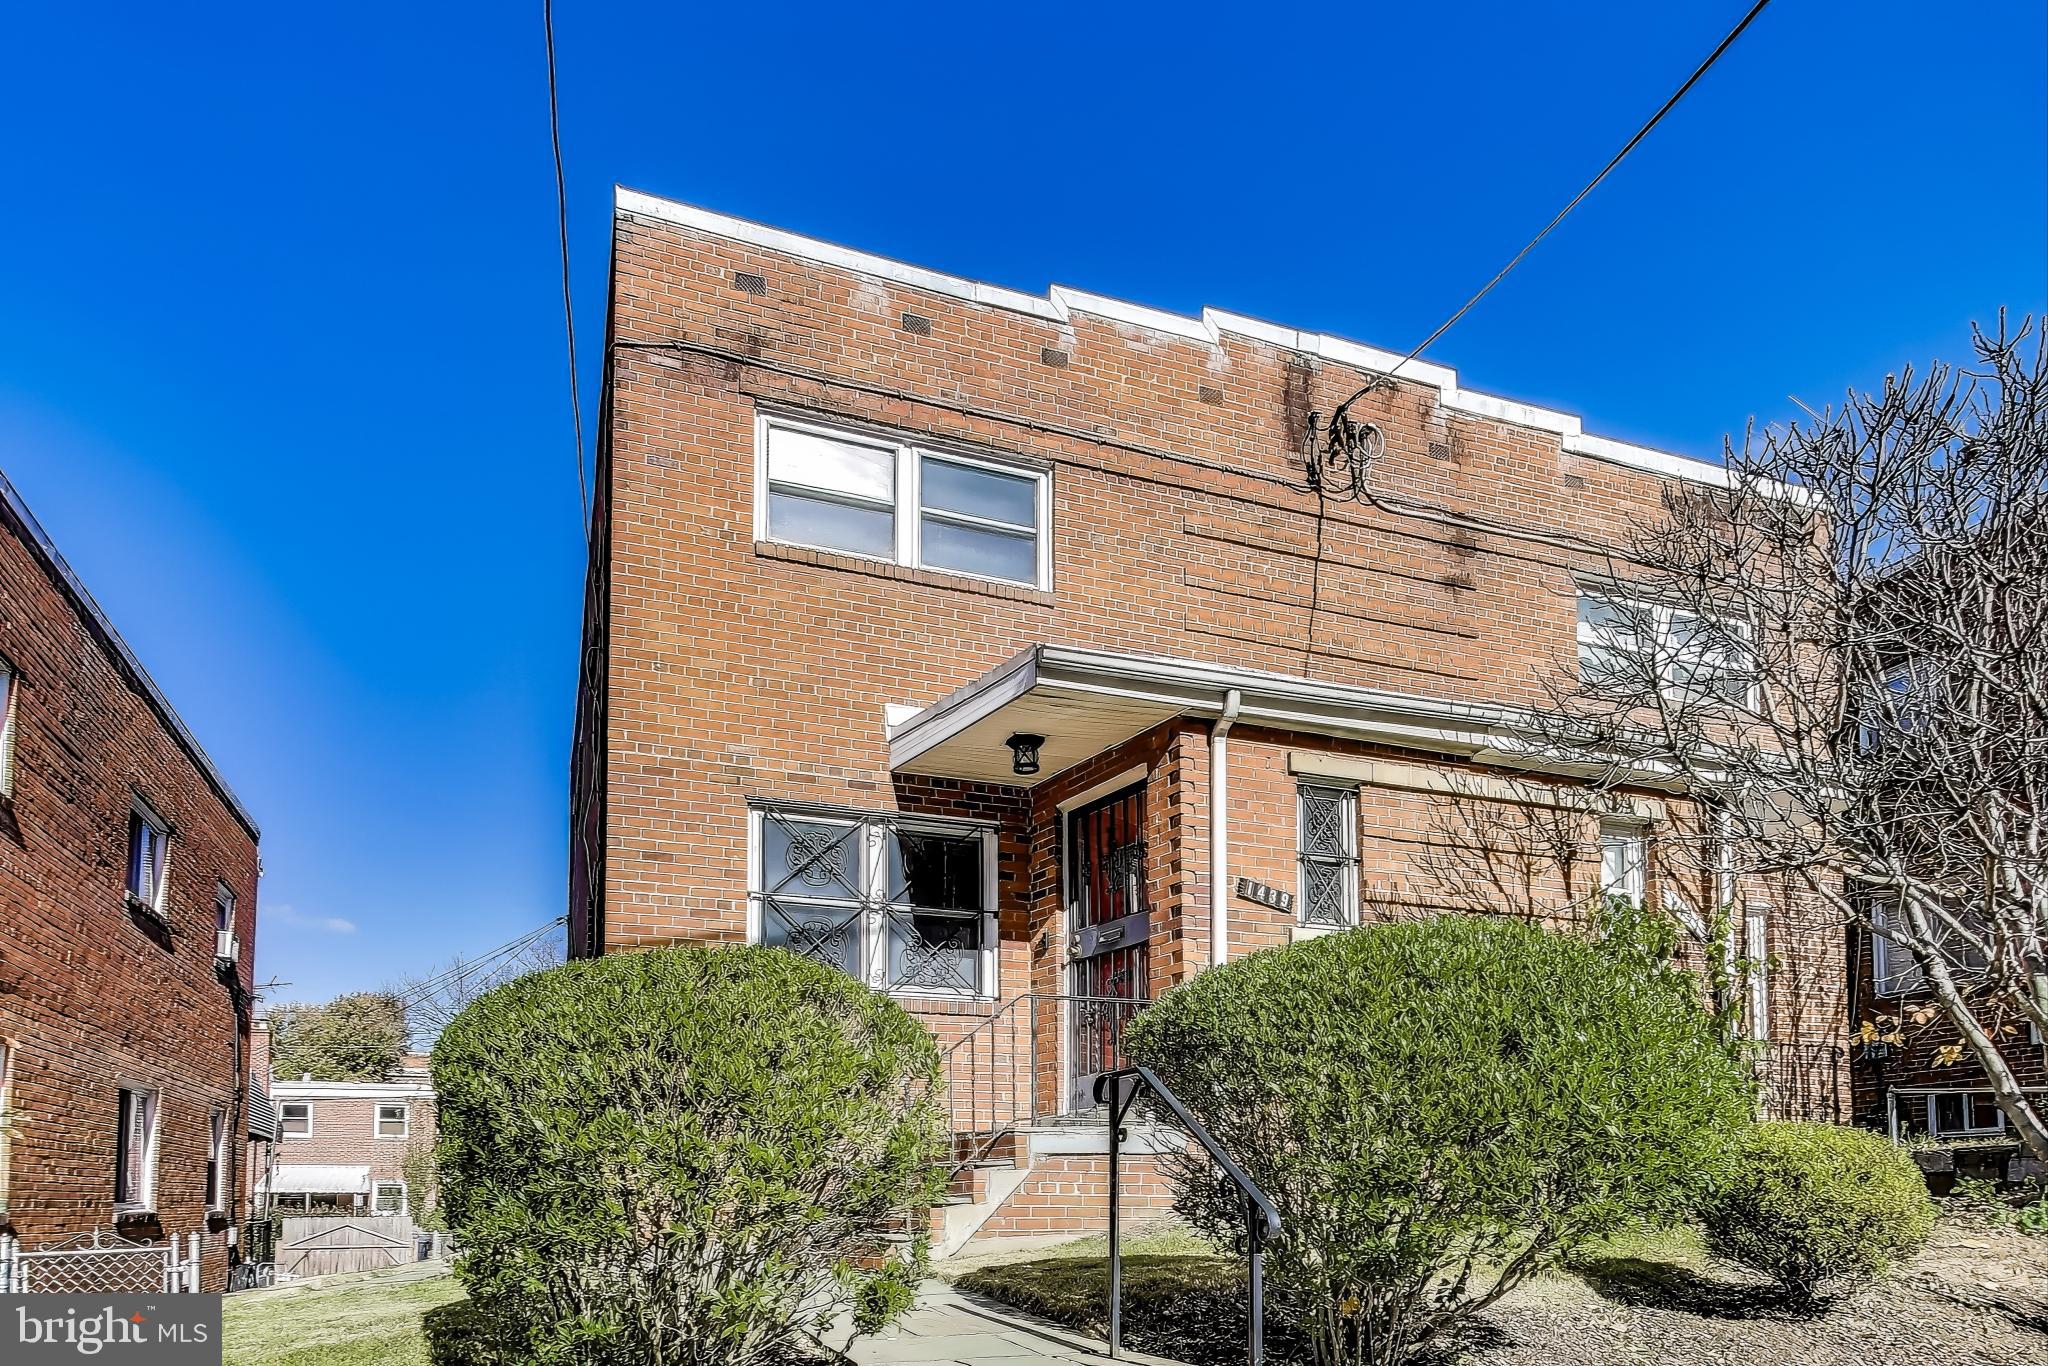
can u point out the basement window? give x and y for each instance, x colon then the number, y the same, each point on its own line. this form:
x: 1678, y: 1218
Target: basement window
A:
x: 903, y: 904
x: 883, y: 498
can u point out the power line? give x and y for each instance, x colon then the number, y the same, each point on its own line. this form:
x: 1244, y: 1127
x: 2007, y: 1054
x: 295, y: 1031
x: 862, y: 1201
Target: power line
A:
x: 1591, y: 185
x: 547, y: 15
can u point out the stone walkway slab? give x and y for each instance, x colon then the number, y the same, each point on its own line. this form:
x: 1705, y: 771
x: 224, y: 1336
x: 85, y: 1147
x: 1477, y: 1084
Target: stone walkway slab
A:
x: 950, y: 1326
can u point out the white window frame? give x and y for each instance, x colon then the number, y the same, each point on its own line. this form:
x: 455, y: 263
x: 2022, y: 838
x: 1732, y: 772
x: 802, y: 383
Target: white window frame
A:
x: 1893, y: 970
x: 1635, y: 880
x: 143, y: 1201
x: 223, y: 907
x: 216, y: 1159
x: 404, y: 1119
x: 1971, y: 1102
x: 285, y: 1134
x: 1756, y: 947
x: 874, y: 927
x: 908, y: 513
x: 376, y: 1191
x: 6, y: 1115
x: 1660, y: 619
x: 10, y: 689
x: 143, y: 814
x: 1347, y: 796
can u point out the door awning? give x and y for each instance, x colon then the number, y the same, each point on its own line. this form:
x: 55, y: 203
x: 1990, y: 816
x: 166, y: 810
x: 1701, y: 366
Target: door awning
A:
x: 1086, y: 701
x: 309, y: 1179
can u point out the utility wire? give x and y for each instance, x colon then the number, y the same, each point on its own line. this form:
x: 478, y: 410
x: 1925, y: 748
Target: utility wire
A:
x: 547, y: 16
x: 1591, y: 185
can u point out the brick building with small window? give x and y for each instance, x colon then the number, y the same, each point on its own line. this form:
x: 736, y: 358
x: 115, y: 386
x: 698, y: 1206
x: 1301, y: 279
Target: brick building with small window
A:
x: 1003, y: 651
x: 128, y: 876
x: 342, y: 1146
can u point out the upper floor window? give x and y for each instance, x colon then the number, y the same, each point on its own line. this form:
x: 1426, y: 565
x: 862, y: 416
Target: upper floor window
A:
x: 392, y: 1121
x: 1623, y: 642
x: 1328, y: 821
x: 8, y: 689
x: 149, y: 855
x: 899, y: 903
x: 907, y: 503
x: 295, y: 1119
x: 223, y: 908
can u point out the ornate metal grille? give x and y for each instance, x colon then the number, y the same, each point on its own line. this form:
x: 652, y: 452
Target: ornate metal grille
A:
x: 98, y: 1263
x: 1329, y: 855
x: 882, y: 898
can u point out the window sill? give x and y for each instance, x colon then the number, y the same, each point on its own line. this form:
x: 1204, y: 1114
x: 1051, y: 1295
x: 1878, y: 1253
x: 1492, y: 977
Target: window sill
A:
x: 888, y: 569
x: 141, y: 907
x: 134, y: 1214
x: 1301, y: 932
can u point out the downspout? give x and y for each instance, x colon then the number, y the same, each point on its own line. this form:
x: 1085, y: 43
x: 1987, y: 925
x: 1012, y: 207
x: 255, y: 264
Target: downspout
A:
x: 1219, y: 828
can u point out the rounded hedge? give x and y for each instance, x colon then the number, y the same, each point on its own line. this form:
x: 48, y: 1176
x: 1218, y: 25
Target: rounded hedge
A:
x: 1441, y: 1107
x: 686, y: 1154
x: 1817, y: 1207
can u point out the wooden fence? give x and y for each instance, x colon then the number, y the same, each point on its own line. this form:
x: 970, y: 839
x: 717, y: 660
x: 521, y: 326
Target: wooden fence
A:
x: 326, y: 1245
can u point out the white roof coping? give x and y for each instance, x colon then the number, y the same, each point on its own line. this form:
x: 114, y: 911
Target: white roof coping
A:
x: 1060, y: 302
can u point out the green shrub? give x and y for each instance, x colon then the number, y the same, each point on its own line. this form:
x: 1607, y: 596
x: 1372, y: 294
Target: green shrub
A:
x: 686, y: 1155
x: 1440, y: 1109
x: 1817, y: 1207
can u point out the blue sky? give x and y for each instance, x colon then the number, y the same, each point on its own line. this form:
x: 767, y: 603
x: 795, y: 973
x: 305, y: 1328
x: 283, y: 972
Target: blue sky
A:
x: 281, y: 352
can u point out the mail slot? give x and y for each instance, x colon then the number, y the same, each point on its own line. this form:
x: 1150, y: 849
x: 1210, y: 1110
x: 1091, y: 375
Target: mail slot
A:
x: 1121, y: 933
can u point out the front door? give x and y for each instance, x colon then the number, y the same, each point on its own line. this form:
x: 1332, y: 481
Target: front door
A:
x: 1110, y: 927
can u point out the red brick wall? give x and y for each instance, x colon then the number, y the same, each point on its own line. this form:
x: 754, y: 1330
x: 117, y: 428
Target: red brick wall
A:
x: 1069, y: 1195
x: 718, y: 668
x: 344, y: 1131
x: 92, y: 993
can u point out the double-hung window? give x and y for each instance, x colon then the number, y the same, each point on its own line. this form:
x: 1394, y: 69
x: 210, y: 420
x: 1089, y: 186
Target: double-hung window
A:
x: 135, y: 1150
x: 295, y: 1119
x: 149, y: 857
x: 216, y: 1153
x: 909, y: 503
x: 393, y: 1121
x: 8, y: 689
x: 1624, y: 860
x: 1327, y: 848
x: 900, y: 903
x: 387, y: 1197
x: 1624, y: 643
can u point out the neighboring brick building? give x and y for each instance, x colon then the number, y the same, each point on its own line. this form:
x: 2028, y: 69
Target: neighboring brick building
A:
x: 342, y: 1145
x: 926, y: 617
x: 128, y: 894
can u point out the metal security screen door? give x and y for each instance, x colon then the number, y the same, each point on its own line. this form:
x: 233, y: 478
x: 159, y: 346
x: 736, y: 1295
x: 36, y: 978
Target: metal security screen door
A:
x: 1111, y: 927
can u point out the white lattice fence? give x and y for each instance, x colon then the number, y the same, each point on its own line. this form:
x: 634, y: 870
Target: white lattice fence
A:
x: 98, y: 1263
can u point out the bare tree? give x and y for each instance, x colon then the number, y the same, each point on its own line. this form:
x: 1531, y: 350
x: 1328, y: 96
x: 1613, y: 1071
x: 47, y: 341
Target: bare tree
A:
x: 435, y: 998
x: 1843, y: 655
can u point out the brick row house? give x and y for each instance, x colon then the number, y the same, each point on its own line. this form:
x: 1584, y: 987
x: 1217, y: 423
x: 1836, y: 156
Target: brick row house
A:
x: 994, y: 648
x: 344, y: 1147
x: 128, y: 874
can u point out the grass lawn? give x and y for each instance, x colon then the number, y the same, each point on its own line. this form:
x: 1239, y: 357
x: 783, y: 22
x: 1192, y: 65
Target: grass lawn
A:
x: 374, y: 1320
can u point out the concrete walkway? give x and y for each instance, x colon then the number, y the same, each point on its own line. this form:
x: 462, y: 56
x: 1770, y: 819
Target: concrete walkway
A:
x: 951, y: 1326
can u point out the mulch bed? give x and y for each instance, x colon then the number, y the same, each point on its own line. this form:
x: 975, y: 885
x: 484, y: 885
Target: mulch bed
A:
x: 1977, y: 1296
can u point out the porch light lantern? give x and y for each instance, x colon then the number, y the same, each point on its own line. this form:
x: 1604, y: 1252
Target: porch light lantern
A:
x: 1024, y: 753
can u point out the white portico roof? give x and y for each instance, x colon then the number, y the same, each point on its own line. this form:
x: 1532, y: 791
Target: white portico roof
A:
x: 1085, y: 701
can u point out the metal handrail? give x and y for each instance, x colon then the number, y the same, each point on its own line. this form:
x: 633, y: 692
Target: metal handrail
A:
x: 1119, y: 1091
x: 1009, y: 1090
